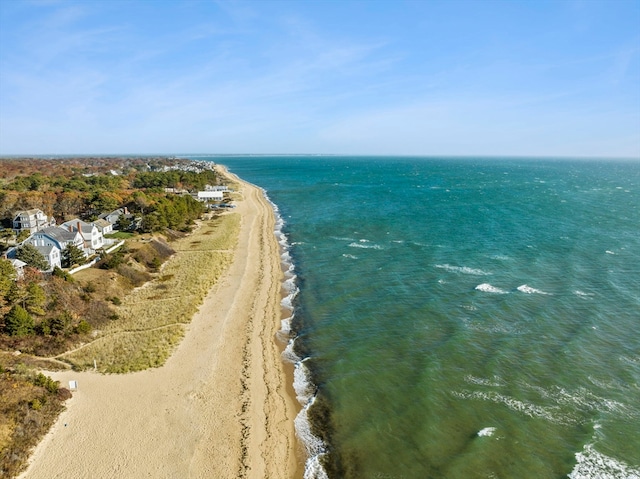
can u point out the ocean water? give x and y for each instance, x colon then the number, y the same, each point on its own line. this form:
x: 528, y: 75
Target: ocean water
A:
x: 461, y: 318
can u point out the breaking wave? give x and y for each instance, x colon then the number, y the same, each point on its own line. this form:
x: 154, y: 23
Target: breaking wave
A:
x: 487, y: 288
x: 463, y: 270
x: 305, y: 391
x: 593, y: 464
x: 529, y: 290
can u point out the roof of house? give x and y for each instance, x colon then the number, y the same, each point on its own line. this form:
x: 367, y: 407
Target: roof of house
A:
x: 46, y: 250
x: 17, y: 263
x: 59, y: 234
x: 101, y: 223
x: 119, y: 211
x: 31, y: 212
x: 84, y: 227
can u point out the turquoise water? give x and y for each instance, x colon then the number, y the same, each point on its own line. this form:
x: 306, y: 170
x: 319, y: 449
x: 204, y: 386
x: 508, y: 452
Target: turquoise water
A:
x: 463, y: 318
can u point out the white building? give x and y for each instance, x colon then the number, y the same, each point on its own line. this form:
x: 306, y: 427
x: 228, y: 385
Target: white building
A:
x: 50, y: 252
x: 114, y: 216
x: 55, y: 236
x: 210, y: 195
x: 31, y: 220
x: 18, y: 265
x: 104, y: 226
x: 91, y: 236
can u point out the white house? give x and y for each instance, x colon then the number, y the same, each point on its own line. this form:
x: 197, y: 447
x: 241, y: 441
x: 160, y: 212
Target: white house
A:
x: 210, y: 195
x: 50, y: 252
x: 114, y: 215
x: 18, y: 265
x: 55, y: 236
x: 91, y: 236
x: 31, y: 220
x: 104, y: 226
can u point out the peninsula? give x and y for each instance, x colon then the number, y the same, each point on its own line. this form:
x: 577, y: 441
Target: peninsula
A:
x: 218, y: 407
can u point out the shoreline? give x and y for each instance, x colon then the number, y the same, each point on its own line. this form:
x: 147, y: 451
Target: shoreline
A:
x: 219, y: 407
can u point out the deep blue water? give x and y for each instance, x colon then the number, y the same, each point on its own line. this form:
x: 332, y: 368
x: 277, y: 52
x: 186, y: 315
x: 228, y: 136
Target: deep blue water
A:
x: 463, y: 318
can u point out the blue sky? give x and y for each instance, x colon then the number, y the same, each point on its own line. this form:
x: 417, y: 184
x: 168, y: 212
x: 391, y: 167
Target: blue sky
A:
x: 525, y: 78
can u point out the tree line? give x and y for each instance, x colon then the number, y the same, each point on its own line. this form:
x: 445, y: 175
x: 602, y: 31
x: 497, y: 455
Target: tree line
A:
x: 88, y: 195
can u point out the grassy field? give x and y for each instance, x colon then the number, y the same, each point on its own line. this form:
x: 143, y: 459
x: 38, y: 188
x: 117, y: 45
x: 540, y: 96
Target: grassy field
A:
x: 151, y: 318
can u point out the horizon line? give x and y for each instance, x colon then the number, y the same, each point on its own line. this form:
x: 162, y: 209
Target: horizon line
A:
x: 350, y: 155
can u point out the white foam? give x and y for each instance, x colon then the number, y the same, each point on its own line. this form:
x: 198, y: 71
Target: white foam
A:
x: 487, y: 431
x: 551, y: 413
x: 290, y: 283
x: 315, y: 446
x: 494, y: 382
x: 350, y: 256
x: 304, y: 390
x: 583, y: 399
x: 287, y: 302
x: 609, y: 252
x: 285, y: 327
x: 463, y: 270
x: 417, y: 243
x: 582, y: 294
x: 591, y: 464
x: 529, y: 290
x: 487, y: 288
x: 313, y: 468
x: 289, y: 355
x: 364, y: 244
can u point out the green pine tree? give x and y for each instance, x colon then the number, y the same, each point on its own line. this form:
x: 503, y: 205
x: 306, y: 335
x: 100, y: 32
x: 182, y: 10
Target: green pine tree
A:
x: 30, y: 255
x: 36, y: 299
x: 18, y: 322
x: 73, y: 255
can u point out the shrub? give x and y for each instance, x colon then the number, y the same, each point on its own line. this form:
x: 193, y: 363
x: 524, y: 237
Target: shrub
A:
x: 43, y: 329
x: 137, y: 278
x: 60, y: 324
x: 18, y: 322
x: 82, y: 327
x: 64, y: 394
x: 113, y: 260
x: 58, y: 273
x: 46, y: 382
x: 155, y: 264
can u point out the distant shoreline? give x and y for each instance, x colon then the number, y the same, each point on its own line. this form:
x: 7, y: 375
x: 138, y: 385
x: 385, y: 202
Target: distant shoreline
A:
x: 219, y: 407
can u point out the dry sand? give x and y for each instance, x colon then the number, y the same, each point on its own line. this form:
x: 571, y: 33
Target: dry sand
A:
x: 218, y: 408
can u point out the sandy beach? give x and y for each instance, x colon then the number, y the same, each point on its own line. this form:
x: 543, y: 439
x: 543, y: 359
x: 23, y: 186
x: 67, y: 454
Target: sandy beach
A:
x: 218, y: 408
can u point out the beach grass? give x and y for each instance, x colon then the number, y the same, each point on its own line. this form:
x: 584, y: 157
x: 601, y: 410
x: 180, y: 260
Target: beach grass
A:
x: 151, y: 318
